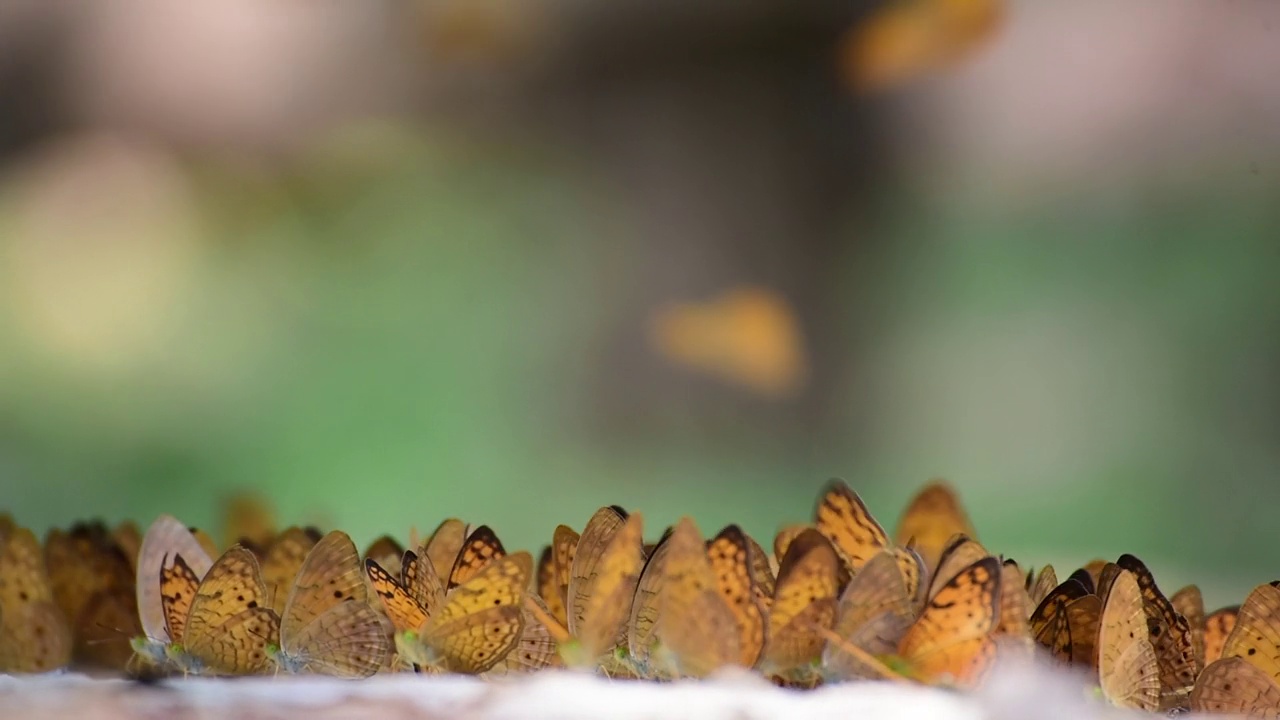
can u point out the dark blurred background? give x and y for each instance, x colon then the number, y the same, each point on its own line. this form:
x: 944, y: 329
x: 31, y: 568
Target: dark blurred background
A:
x: 511, y: 260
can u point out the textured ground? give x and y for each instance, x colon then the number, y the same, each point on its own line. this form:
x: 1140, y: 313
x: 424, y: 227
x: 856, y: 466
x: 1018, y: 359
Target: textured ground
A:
x: 1014, y: 694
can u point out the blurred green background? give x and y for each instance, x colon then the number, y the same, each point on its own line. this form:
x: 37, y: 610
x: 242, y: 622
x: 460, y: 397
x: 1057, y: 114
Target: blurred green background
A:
x: 385, y: 279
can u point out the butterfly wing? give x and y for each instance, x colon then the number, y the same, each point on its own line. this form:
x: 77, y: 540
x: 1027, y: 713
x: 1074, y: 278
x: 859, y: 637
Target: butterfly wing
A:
x: 951, y: 640
x: 1128, y: 669
x: 167, y: 537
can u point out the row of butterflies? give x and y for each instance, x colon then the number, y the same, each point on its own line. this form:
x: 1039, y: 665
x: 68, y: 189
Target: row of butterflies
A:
x: 837, y: 599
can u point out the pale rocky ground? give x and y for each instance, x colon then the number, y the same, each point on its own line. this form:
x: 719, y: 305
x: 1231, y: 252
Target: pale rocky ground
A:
x: 1011, y: 694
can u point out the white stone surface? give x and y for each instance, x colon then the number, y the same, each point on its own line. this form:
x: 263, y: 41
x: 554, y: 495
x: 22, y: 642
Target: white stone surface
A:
x: 1011, y: 694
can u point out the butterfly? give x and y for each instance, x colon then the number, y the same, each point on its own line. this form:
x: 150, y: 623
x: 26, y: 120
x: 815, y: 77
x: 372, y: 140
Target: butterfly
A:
x: 127, y: 537
x: 1170, y: 636
x: 736, y: 562
x: 749, y: 337
x: 694, y: 628
x: 931, y: 520
x: 553, y: 572
x: 1066, y: 623
x: 873, y: 613
x: 804, y: 606
x: 1189, y: 603
x: 905, y: 40
x: 1040, y: 585
x: 249, y: 520
x: 1015, y: 610
x: 409, y: 599
x: 328, y: 625
x: 92, y: 581
x: 763, y: 572
x: 642, y: 623
x: 164, y: 540
x: 951, y: 642
x: 34, y: 634
x: 445, y: 545
x: 960, y: 552
x: 477, y: 624
x: 481, y: 547
x: 845, y: 520
x: 1217, y: 626
x: 602, y: 582
x: 1244, y: 680
x: 537, y: 647
x: 221, y: 624
x: 1234, y: 686
x: 387, y: 552
x: 1128, y: 669
x: 282, y: 560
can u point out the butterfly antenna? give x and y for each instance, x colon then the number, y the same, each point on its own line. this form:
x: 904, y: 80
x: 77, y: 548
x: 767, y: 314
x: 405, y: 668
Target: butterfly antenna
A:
x: 861, y: 656
x: 108, y: 628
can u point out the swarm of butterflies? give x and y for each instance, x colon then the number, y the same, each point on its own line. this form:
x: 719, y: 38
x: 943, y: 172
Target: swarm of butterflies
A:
x: 837, y: 599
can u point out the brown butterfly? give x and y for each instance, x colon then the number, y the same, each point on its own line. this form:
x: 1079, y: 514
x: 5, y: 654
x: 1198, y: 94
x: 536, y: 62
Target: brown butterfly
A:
x: 605, y: 570
x: 1244, y: 680
x: 1128, y: 669
x: 875, y: 610
x: 845, y: 520
x: 1217, y: 626
x: 478, y: 623
x: 931, y: 520
x: 1066, y: 623
x: 1040, y: 585
x: 553, y: 572
x: 282, y: 560
x: 165, y: 540
x: 481, y: 547
x: 1189, y: 603
x: 695, y: 628
x: 736, y: 563
x: 220, y: 624
x: 1170, y: 636
x: 804, y: 607
x: 327, y: 625
x: 92, y: 581
x: 951, y: 642
x: 34, y: 634
x: 387, y: 552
